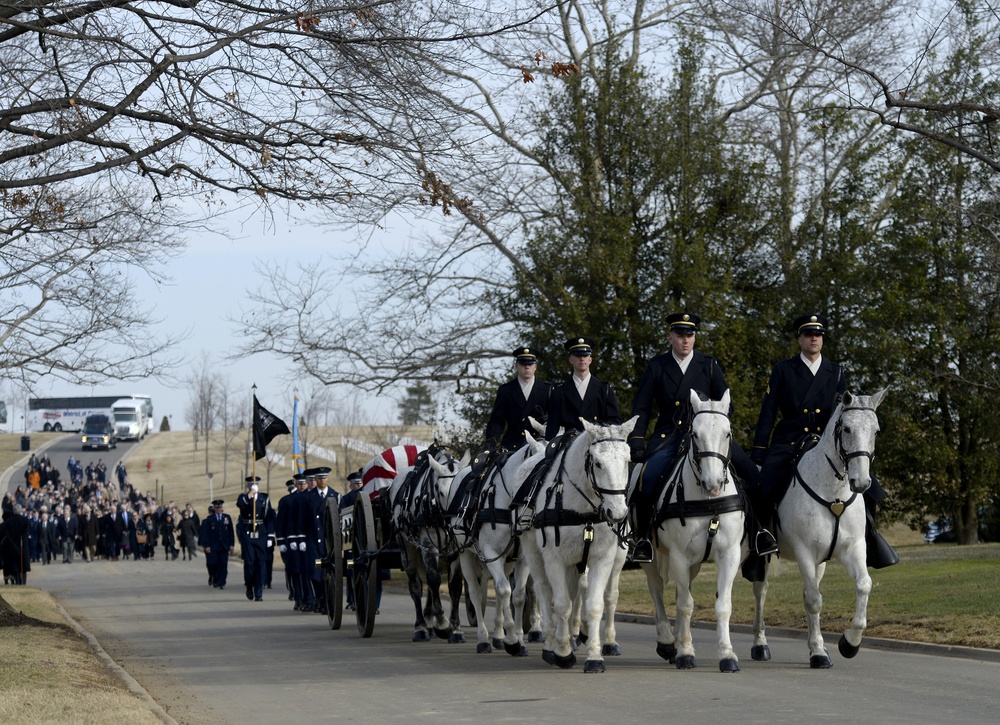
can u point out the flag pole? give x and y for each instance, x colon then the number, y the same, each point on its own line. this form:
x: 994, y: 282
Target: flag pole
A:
x: 253, y: 445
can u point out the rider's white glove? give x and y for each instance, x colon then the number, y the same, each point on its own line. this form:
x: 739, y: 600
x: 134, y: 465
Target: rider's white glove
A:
x: 282, y: 548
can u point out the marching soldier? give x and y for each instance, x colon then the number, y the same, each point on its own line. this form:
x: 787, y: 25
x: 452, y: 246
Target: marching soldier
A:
x: 517, y: 399
x: 254, y: 536
x: 321, y: 496
x: 218, y: 540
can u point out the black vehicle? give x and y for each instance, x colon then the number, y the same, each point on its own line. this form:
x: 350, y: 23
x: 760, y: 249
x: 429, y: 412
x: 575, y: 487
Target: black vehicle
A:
x: 99, y: 432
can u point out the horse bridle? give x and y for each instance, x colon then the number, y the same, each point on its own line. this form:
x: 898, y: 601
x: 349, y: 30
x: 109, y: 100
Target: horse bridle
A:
x: 844, y: 456
x: 697, y: 455
x: 589, y: 467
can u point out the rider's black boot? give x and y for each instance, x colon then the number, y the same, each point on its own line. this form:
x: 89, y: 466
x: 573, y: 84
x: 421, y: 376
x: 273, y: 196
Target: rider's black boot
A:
x: 642, y: 551
x: 880, y: 554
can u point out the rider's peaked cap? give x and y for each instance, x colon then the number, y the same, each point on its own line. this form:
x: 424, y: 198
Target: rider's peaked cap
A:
x: 579, y: 345
x: 683, y: 322
x: 525, y: 355
x: 814, y: 324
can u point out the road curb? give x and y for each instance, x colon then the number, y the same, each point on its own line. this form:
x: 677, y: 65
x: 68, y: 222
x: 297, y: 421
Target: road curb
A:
x: 892, y: 645
x: 133, y: 686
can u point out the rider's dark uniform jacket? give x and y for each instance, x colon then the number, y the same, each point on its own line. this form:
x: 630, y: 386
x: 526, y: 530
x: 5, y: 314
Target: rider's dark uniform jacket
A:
x: 663, y: 384
x: 509, y: 419
x: 566, y: 408
x: 805, y: 401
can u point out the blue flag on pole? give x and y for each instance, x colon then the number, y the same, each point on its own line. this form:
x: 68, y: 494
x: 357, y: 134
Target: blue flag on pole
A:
x: 297, y: 465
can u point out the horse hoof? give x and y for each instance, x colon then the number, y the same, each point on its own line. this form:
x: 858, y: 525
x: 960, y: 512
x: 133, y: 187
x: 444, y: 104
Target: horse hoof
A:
x: 497, y: 643
x: 523, y: 652
x: 760, y: 653
x: 535, y: 637
x: 514, y: 650
x: 421, y: 635
x: 564, y: 662
x: 593, y: 666
x: 820, y: 662
x: 456, y: 638
x: 548, y: 656
x: 443, y: 633
x: 667, y: 651
x: 686, y: 662
x: 847, y: 650
x: 484, y: 648
x: 729, y: 665
x: 611, y: 650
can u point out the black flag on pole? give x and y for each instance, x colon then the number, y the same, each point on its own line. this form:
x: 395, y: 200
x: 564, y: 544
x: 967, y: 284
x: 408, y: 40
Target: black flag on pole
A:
x: 266, y: 426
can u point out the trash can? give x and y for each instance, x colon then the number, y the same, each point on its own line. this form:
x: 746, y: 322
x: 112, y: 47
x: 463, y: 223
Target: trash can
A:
x: 25, y: 443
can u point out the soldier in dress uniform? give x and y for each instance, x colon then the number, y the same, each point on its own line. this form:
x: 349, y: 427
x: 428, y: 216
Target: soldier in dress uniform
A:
x: 581, y: 395
x: 354, y: 483
x: 202, y: 529
x: 293, y: 543
x: 253, y: 530
x: 517, y: 399
x: 321, y: 496
x: 218, y: 540
x: 280, y: 532
x: 804, y: 389
x: 667, y: 382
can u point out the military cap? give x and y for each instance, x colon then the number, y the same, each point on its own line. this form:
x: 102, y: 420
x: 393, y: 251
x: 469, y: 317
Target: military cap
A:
x: 525, y: 355
x: 355, y: 477
x: 814, y: 324
x: 217, y: 502
x: 252, y: 479
x: 309, y: 473
x: 211, y: 509
x: 290, y: 483
x: 579, y: 345
x: 684, y: 323
x: 322, y: 472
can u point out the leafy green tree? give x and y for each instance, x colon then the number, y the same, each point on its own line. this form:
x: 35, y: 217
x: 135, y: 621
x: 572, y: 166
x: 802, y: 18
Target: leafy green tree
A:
x: 418, y: 406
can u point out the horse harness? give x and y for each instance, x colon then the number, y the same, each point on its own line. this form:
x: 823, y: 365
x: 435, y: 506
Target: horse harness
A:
x: 419, y: 505
x: 681, y: 508
x: 558, y: 516
x: 836, y: 507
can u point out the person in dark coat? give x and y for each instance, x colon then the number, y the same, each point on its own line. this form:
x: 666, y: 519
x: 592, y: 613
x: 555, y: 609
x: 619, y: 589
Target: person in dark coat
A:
x: 666, y: 384
x: 804, y: 390
x: 67, y: 531
x: 14, y: 547
x: 218, y: 541
x: 581, y: 395
x: 320, y: 497
x: 89, y: 530
x: 188, y: 531
x: 253, y: 534
x: 145, y: 536
x: 515, y: 401
x: 168, y: 537
x: 48, y: 540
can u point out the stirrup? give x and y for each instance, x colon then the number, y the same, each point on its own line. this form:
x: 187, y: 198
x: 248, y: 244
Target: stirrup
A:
x: 764, y: 542
x: 642, y: 553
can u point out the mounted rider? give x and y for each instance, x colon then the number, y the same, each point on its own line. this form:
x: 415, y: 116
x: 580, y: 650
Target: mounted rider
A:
x: 515, y: 401
x: 668, y: 381
x: 805, y: 390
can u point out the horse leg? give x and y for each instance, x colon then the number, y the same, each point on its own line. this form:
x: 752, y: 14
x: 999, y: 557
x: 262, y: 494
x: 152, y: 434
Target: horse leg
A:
x: 728, y: 563
x: 599, y: 581
x: 577, y: 634
x: 760, y: 651
x: 609, y: 635
x: 855, y: 561
x: 562, y: 609
x: 456, y: 584
x: 543, y: 594
x: 434, y: 610
x: 506, y: 626
x: 812, y: 599
x: 656, y: 579
x: 470, y: 567
x: 681, y: 570
x: 416, y: 586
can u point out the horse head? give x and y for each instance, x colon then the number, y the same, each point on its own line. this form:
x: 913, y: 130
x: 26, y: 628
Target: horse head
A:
x: 711, y: 436
x: 854, y: 436
x: 607, y: 459
x: 446, y: 466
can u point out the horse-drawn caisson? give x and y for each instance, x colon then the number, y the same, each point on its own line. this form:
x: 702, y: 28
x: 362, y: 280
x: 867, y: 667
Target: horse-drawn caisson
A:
x: 417, y: 512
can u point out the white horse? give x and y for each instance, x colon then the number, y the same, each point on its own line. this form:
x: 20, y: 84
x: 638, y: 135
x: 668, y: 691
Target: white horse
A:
x: 418, y: 504
x: 701, y: 520
x: 580, y: 504
x: 822, y: 516
x: 487, y: 540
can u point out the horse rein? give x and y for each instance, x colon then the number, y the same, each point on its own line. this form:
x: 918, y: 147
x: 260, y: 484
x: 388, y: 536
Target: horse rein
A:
x: 842, y: 454
x: 697, y: 455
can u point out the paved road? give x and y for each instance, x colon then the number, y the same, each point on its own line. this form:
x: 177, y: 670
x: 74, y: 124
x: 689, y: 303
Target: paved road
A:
x: 211, y: 656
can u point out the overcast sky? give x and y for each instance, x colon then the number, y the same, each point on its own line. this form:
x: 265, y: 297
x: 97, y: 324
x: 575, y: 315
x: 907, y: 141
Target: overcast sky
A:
x: 209, y: 285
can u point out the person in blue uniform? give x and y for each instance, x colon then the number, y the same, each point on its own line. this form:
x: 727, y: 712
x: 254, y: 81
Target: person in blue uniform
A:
x: 354, y: 484
x: 665, y: 386
x: 280, y: 530
x: 515, y: 401
x: 218, y: 540
x: 253, y: 532
x: 804, y: 390
x: 292, y: 543
x: 202, y: 529
x: 321, y: 496
x: 581, y: 395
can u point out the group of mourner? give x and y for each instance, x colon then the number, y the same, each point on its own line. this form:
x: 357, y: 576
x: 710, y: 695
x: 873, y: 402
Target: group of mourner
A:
x: 801, y: 395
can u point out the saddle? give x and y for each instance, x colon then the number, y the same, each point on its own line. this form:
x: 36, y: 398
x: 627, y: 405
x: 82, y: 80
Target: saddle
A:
x: 528, y: 491
x: 800, y: 448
